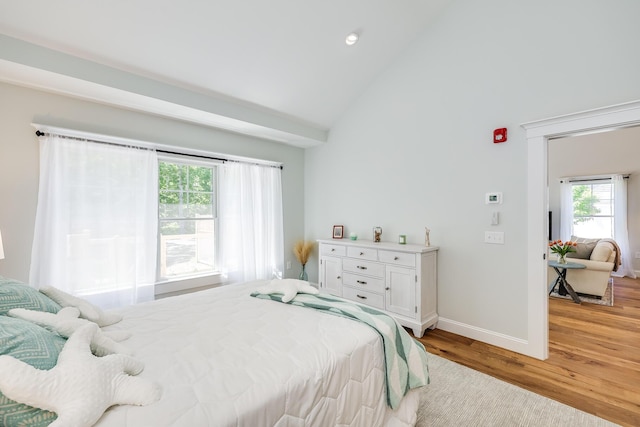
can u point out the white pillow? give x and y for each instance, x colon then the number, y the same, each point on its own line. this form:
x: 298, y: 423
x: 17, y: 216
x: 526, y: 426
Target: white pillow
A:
x: 602, y: 252
x: 81, y: 386
x: 288, y: 287
x: 87, y: 310
x: 65, y: 323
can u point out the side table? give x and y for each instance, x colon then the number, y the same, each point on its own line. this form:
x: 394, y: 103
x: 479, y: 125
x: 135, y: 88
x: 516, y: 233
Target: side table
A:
x: 561, y: 280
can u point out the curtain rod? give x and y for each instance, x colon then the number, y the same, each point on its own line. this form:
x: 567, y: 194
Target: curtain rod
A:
x: 158, y: 148
x: 591, y: 179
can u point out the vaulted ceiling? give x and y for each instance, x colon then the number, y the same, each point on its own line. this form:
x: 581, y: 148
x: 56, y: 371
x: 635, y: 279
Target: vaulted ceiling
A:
x: 279, y: 65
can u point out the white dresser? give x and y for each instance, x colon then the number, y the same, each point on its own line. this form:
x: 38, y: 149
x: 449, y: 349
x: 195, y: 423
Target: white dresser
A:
x: 398, y: 279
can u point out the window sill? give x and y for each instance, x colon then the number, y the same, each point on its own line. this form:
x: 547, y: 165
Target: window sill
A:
x: 188, y: 284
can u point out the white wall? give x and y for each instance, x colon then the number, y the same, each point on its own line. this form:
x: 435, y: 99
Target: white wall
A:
x: 599, y: 154
x: 416, y: 149
x: 19, y: 160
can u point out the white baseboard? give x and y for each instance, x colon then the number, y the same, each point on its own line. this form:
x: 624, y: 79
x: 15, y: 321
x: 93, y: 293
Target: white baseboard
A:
x: 518, y: 345
x: 637, y: 273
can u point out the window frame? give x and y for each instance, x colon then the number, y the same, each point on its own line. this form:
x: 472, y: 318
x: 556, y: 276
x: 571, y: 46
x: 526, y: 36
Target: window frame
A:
x: 591, y: 181
x: 166, y: 285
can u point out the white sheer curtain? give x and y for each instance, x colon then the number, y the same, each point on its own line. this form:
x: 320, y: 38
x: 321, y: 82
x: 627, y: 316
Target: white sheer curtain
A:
x: 621, y: 234
x: 251, y: 222
x: 96, y: 223
x: 566, y: 210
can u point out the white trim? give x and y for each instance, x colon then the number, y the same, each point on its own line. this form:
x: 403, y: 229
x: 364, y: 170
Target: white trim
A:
x: 538, y: 134
x: 189, y: 283
x: 590, y: 121
x: 74, y: 133
x: 484, y: 335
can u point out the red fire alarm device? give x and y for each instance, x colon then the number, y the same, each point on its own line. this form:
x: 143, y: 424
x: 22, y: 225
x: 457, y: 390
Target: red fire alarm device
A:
x: 499, y: 135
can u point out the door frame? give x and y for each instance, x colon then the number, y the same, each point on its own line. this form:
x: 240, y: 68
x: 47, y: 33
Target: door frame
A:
x: 538, y: 134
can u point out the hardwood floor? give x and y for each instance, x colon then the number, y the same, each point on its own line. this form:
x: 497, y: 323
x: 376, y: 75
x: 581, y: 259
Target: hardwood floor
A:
x: 594, y: 356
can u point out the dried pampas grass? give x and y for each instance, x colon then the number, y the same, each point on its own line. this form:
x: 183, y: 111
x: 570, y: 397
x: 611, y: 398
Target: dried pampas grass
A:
x: 302, y: 250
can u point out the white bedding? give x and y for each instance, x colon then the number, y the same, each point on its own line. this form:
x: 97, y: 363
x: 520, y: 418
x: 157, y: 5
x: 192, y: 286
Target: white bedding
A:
x: 224, y: 358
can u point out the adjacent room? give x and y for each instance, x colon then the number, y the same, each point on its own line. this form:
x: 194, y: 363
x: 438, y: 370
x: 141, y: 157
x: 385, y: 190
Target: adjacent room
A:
x: 281, y: 213
x: 589, y: 208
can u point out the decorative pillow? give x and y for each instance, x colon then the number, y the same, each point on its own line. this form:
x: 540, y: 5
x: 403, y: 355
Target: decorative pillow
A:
x: 15, y: 294
x: 583, y: 240
x: 81, y: 386
x: 602, y: 252
x: 583, y: 250
x: 288, y: 287
x: 39, y: 348
x: 65, y: 323
x: 87, y: 310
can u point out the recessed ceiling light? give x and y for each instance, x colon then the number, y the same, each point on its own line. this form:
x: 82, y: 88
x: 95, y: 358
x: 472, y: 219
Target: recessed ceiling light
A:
x: 352, y: 39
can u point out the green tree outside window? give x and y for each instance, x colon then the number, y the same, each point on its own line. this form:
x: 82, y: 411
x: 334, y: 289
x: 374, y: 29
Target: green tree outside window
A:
x: 584, y: 203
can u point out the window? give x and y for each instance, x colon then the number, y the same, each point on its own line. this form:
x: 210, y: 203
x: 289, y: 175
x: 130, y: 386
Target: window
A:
x: 154, y: 229
x: 187, y: 215
x: 593, y: 212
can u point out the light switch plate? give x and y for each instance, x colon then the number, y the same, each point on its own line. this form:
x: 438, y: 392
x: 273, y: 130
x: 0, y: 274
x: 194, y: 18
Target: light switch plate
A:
x: 494, y: 237
x: 495, y: 218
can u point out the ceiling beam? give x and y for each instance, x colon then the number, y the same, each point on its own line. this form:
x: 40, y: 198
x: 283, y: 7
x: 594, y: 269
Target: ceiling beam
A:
x: 29, y: 65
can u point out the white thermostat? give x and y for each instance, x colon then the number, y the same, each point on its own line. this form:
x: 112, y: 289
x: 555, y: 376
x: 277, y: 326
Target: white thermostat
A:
x: 493, y: 198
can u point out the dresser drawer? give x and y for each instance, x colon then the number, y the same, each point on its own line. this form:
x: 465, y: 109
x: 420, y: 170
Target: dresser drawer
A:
x: 363, y: 267
x: 362, y: 253
x: 336, y: 250
x: 363, y: 297
x: 372, y: 284
x: 398, y: 258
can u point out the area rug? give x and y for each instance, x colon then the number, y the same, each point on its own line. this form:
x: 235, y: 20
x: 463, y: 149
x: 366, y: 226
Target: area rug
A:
x: 459, y: 396
x: 607, y: 298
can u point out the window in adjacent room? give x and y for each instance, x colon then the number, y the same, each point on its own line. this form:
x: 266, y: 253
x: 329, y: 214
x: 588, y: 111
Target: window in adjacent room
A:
x: 187, y: 216
x: 593, y: 208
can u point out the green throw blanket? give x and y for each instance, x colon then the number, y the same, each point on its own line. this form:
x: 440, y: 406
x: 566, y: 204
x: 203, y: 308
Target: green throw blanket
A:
x: 405, y: 357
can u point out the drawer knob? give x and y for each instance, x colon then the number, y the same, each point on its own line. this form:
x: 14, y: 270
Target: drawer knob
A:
x: 361, y: 253
x: 333, y: 249
x: 395, y: 258
x: 361, y: 267
x: 387, y: 288
x: 338, y: 277
x: 361, y: 282
x: 361, y: 296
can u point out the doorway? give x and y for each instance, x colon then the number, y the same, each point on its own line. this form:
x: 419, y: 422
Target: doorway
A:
x: 538, y: 135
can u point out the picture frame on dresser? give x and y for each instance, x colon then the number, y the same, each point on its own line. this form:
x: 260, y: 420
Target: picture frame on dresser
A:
x: 338, y: 231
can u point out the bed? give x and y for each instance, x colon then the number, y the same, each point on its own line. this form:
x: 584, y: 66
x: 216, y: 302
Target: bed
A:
x: 223, y: 358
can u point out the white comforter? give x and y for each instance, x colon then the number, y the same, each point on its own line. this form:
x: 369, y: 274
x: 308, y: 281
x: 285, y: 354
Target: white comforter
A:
x: 224, y: 358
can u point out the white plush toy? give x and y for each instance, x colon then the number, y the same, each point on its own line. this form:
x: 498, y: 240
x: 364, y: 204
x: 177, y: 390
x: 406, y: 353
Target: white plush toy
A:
x: 87, y: 310
x: 81, y: 386
x: 289, y: 287
x: 66, y: 322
